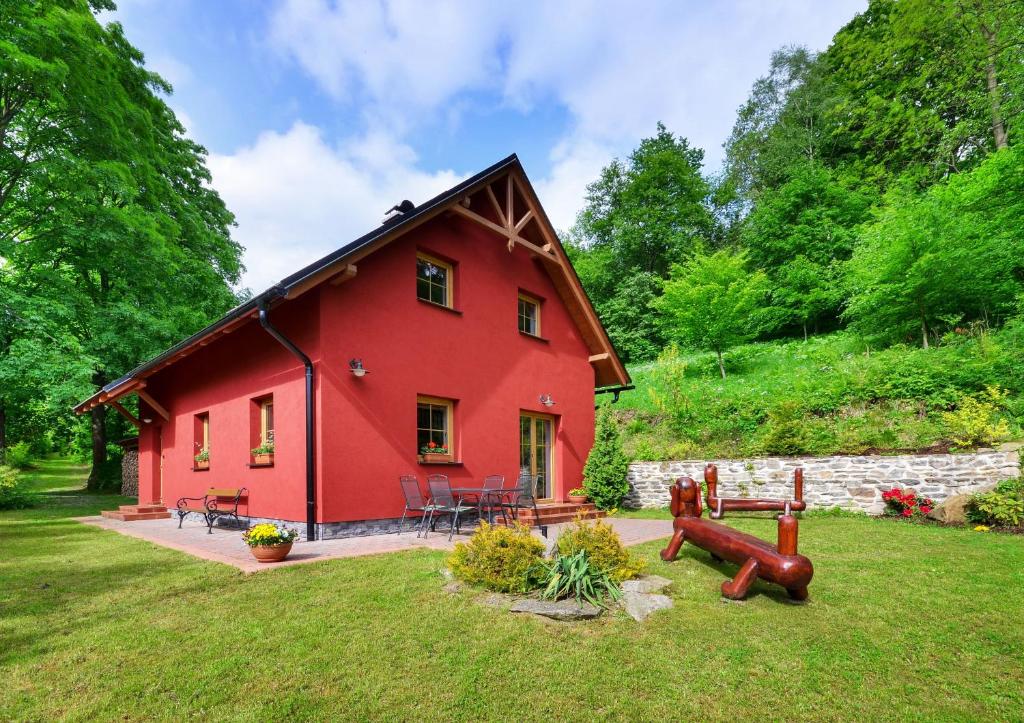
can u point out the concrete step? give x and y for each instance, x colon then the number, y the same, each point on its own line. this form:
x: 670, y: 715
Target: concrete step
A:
x: 125, y: 516
x: 142, y: 509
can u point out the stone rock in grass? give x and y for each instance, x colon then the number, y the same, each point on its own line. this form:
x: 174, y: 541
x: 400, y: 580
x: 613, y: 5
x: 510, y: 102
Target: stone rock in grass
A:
x: 565, y: 610
x: 453, y: 587
x: 640, y: 605
x: 646, y: 583
x: 953, y: 510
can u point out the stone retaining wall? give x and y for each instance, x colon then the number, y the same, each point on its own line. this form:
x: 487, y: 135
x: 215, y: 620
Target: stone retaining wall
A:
x: 130, y: 473
x: 849, y: 482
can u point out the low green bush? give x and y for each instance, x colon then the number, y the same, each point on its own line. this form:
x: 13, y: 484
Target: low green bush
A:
x: 19, y: 456
x: 602, y: 545
x: 976, y: 420
x: 1002, y: 507
x: 14, y: 491
x: 504, y: 559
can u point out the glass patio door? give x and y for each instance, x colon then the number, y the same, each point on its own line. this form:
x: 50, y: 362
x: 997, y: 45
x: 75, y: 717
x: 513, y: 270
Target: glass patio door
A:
x: 535, y: 452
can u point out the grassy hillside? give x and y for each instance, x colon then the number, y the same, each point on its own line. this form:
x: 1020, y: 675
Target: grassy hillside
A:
x: 831, y: 394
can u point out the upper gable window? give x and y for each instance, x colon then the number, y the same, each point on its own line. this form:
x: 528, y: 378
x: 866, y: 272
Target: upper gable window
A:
x: 529, y: 315
x: 434, y: 280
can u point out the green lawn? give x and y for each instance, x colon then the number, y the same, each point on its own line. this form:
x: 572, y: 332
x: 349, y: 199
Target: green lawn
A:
x: 904, y: 622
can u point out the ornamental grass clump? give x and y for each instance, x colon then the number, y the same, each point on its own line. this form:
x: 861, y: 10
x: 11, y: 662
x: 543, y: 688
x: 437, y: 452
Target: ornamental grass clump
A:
x: 577, y: 576
x: 503, y: 559
x: 267, y: 534
x: 906, y: 504
x: 602, y: 546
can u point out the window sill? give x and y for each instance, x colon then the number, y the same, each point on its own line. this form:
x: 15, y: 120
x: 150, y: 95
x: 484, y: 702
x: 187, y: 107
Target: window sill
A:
x: 435, y: 305
x: 528, y: 335
x: 453, y: 463
x: 254, y: 465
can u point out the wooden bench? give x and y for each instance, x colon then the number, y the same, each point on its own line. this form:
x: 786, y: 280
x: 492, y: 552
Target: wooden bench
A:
x: 718, y: 505
x: 216, y: 503
x: 779, y: 563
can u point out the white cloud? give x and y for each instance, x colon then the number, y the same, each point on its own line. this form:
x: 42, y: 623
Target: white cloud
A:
x: 617, y: 68
x: 297, y: 197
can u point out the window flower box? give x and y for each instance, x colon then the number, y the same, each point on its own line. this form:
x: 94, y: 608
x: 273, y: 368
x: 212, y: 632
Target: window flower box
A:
x: 435, y: 458
x: 264, y: 454
x: 202, y: 464
x: 435, y: 454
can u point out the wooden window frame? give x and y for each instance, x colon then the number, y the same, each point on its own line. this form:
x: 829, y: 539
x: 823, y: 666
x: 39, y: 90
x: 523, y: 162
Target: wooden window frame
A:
x: 265, y: 429
x: 202, y: 421
x: 536, y: 302
x: 449, y: 406
x: 449, y: 279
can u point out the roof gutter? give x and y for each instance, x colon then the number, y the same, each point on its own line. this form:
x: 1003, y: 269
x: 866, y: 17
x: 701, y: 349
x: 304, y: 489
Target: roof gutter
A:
x: 264, y: 316
x: 615, y: 391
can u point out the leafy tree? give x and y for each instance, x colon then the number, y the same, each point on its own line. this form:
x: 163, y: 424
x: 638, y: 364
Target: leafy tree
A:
x: 105, y: 205
x: 634, y: 329
x: 953, y: 253
x: 926, y: 87
x: 641, y: 216
x: 781, y: 125
x: 650, y: 210
x: 800, y: 233
x: 604, y: 475
x: 714, y: 302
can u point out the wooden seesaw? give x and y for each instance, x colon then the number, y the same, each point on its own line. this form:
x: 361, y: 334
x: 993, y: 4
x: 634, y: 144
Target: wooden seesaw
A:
x: 779, y: 563
x: 717, y: 506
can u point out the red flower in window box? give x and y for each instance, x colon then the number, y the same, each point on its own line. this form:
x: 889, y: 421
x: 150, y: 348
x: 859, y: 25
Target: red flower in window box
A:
x: 435, y: 453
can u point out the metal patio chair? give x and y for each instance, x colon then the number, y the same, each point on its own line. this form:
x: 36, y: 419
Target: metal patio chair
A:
x: 414, y: 500
x: 443, y: 502
x: 523, y: 497
x: 490, y: 498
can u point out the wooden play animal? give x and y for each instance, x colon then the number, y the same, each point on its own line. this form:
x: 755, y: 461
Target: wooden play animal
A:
x: 717, y: 506
x: 779, y: 563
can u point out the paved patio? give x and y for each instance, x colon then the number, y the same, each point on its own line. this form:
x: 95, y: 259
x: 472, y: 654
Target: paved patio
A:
x: 226, y: 546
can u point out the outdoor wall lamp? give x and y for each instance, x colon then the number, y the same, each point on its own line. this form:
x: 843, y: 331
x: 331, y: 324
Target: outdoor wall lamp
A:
x: 546, y: 400
x: 147, y: 420
x: 356, y: 367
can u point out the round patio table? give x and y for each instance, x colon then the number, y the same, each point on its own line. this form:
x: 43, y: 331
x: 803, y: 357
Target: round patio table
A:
x: 497, y: 493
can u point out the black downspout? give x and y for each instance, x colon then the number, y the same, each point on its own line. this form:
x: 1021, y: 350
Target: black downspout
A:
x: 310, y: 458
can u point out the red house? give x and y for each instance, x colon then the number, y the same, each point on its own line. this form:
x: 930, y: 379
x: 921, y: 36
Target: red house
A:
x: 454, y: 338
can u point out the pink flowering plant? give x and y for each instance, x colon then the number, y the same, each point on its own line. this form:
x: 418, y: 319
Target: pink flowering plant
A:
x: 906, y: 504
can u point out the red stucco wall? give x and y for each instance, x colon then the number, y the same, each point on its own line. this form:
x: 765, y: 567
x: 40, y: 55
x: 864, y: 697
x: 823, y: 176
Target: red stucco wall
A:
x: 367, y: 426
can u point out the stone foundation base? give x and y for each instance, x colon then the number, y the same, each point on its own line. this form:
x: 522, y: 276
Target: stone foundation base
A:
x: 327, y: 530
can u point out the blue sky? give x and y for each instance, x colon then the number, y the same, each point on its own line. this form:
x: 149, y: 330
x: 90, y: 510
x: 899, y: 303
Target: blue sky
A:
x: 321, y: 114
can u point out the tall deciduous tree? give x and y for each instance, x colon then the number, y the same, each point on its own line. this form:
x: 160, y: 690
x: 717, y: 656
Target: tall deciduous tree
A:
x: 641, y: 216
x: 713, y: 302
x: 936, y: 258
x: 105, y: 205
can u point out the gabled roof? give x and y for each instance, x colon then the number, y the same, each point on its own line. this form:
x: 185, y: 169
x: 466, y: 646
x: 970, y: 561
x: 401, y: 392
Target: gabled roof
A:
x: 532, y: 232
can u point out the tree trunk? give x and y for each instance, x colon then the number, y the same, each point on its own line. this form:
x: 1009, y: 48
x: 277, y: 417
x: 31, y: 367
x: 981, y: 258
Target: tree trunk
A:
x: 924, y: 332
x: 721, y: 364
x: 998, y: 126
x: 99, y: 439
x: 805, y: 332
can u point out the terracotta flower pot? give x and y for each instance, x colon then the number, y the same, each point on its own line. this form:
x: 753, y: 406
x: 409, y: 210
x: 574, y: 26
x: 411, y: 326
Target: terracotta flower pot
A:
x: 271, y: 553
x: 578, y: 499
x: 263, y: 458
x: 434, y: 457
x: 204, y: 464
